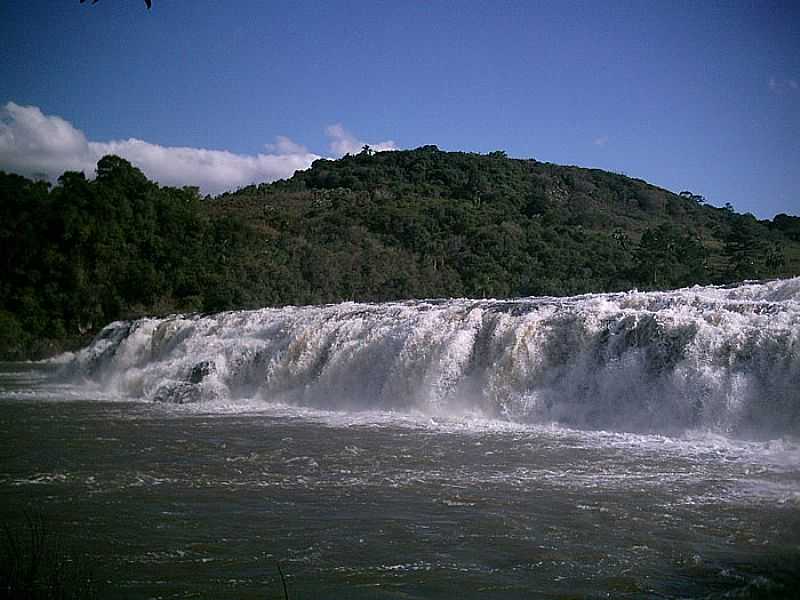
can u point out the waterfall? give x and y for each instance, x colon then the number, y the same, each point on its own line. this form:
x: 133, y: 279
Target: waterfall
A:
x: 724, y: 359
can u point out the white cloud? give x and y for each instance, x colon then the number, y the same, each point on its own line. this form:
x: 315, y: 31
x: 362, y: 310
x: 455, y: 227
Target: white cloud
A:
x: 34, y: 144
x: 600, y: 141
x: 283, y: 145
x: 778, y: 86
x: 211, y: 170
x: 343, y: 142
x: 39, y: 145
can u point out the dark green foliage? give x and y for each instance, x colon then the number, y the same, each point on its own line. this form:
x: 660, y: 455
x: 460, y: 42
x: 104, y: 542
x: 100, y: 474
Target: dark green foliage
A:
x: 746, y: 248
x: 34, y: 565
x: 788, y: 226
x: 668, y: 258
x: 84, y: 253
x: 369, y: 227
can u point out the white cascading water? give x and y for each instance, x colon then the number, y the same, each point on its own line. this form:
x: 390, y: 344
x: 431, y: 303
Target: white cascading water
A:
x: 720, y: 359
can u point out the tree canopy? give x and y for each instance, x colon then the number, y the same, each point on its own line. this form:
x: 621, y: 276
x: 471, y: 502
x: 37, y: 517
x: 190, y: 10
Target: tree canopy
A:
x: 373, y: 226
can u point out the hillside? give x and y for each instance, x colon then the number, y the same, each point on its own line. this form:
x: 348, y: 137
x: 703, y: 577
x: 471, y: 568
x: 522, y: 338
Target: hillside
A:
x: 370, y: 227
x: 431, y: 223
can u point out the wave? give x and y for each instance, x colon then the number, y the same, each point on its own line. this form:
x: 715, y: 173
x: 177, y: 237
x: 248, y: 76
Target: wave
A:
x: 722, y: 359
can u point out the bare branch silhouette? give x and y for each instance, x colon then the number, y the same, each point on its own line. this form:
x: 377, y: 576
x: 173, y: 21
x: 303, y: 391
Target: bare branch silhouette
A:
x: 149, y: 3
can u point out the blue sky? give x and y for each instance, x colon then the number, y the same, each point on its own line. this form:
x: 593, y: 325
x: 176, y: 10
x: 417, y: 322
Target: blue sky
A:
x: 697, y: 96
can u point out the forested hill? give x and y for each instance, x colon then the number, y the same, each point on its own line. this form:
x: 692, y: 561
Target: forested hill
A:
x: 370, y: 227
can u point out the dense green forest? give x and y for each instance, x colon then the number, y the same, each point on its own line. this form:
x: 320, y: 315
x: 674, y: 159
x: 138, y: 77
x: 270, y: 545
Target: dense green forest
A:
x: 369, y: 227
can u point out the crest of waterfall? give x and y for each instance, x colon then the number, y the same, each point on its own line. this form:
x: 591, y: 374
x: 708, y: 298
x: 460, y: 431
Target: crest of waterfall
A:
x: 724, y: 359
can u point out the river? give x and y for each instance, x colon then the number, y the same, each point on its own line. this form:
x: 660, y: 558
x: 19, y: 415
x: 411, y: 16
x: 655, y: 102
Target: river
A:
x: 617, y: 445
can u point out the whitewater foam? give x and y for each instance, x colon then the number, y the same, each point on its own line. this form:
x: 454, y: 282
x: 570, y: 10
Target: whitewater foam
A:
x: 719, y: 359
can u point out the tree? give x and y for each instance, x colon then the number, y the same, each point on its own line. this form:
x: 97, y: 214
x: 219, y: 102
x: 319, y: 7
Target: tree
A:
x: 405, y: 224
x: 116, y: 171
x: 775, y: 259
x: 745, y: 248
x: 667, y: 257
x: 788, y: 226
x: 621, y: 238
x: 149, y: 3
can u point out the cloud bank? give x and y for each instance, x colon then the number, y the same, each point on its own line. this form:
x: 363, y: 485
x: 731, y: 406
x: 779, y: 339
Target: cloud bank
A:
x: 778, y: 85
x: 343, y: 142
x: 44, y: 146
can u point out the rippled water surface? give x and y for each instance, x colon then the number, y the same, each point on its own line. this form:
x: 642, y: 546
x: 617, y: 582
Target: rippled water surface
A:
x: 176, y: 501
